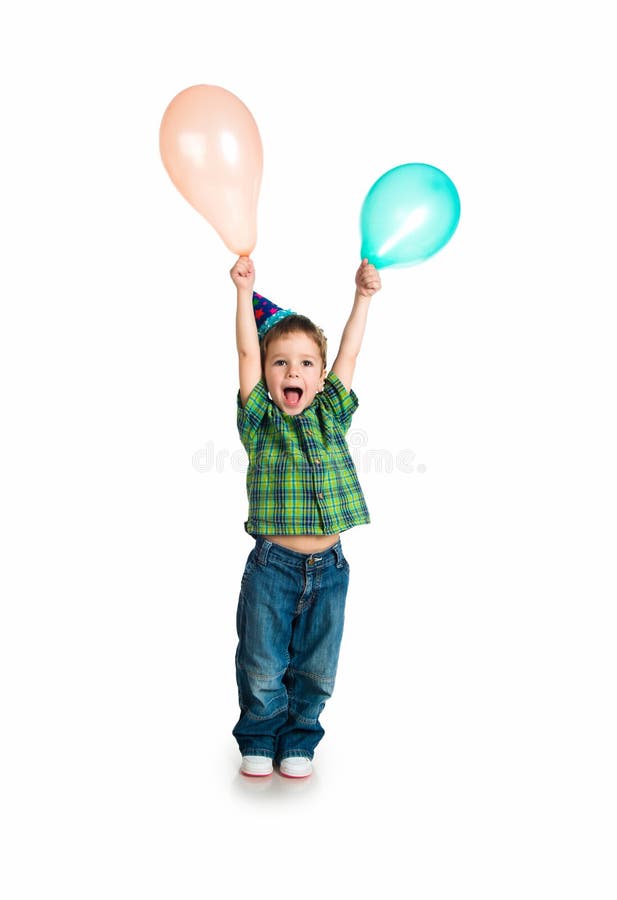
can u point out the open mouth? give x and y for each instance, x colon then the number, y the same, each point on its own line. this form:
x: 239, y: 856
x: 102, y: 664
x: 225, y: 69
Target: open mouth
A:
x: 292, y: 395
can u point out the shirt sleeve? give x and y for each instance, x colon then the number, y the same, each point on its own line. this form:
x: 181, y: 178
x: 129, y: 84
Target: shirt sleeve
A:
x: 340, y: 402
x: 250, y: 416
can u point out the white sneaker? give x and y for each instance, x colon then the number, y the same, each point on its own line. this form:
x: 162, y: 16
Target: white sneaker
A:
x: 256, y: 766
x: 296, y: 767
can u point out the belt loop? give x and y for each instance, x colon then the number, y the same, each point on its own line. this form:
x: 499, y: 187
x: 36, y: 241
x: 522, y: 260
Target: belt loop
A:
x: 338, y: 552
x: 263, y: 548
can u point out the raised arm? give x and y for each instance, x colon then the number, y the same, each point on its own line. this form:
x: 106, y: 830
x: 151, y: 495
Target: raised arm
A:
x: 368, y: 283
x: 247, y: 342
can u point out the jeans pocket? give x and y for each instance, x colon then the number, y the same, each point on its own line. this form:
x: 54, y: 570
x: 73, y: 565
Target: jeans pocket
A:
x: 249, y: 568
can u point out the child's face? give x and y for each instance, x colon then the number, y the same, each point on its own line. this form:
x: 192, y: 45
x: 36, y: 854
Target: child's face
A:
x: 294, y: 372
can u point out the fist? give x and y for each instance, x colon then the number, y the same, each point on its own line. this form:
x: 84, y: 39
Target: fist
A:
x: 368, y: 281
x: 243, y: 273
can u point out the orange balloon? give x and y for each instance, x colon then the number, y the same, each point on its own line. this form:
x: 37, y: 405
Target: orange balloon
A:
x: 212, y: 151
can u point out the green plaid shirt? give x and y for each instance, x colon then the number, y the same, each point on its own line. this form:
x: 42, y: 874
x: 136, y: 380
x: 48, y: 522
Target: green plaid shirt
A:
x: 301, y: 478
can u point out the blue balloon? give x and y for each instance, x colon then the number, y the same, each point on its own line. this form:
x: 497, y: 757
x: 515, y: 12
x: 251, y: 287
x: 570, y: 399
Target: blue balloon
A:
x: 408, y: 215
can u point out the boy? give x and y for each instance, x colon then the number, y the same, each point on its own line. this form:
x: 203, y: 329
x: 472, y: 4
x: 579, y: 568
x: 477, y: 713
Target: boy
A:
x: 303, y: 491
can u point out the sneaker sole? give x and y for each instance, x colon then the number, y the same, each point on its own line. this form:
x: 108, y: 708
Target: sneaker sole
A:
x: 294, y: 774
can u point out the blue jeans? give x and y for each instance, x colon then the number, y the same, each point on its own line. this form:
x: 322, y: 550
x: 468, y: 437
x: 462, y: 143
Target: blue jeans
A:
x: 290, y: 625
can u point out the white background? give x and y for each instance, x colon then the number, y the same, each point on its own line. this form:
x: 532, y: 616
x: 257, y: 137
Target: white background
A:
x: 470, y: 747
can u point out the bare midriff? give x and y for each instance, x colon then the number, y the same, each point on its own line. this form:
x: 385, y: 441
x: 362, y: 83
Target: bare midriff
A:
x: 304, y: 543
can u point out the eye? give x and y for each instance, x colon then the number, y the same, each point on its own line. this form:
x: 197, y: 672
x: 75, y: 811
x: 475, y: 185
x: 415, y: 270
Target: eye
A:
x: 307, y: 362
x: 279, y: 362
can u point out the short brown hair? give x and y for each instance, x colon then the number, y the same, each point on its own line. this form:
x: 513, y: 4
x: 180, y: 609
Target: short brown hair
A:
x: 291, y: 325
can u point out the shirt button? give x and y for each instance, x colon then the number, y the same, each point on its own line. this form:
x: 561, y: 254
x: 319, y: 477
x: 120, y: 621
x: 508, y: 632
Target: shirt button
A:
x: 320, y: 495
x: 317, y: 462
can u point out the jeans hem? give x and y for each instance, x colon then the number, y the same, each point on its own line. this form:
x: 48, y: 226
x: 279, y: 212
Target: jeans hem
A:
x: 256, y: 751
x: 285, y: 754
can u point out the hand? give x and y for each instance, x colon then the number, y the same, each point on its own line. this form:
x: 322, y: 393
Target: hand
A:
x: 368, y: 281
x: 243, y: 273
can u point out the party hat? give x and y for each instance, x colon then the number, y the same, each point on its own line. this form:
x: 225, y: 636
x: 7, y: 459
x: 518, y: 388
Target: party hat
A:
x: 267, y: 313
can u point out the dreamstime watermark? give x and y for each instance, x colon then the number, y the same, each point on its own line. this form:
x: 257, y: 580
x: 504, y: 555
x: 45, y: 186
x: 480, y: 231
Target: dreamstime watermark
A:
x: 366, y: 460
